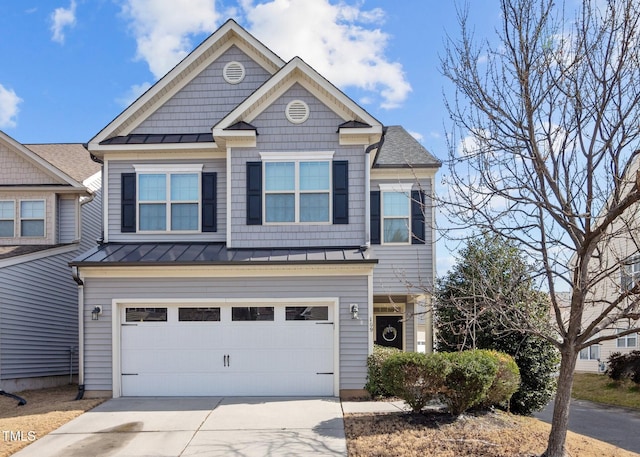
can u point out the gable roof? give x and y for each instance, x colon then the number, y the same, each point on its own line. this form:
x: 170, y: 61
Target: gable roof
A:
x: 401, y: 150
x: 298, y: 71
x: 230, y: 33
x: 71, y: 158
x: 40, y: 163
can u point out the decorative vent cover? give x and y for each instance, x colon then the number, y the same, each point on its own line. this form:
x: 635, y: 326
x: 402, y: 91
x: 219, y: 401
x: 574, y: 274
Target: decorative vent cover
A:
x: 233, y: 72
x: 297, y: 111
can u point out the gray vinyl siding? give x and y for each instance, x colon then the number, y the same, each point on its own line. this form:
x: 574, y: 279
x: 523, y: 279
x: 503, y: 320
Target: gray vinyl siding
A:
x: 67, y: 219
x: 409, y: 329
x: 116, y: 168
x: 38, y: 318
x: 204, y: 101
x: 277, y: 134
x: 405, y: 269
x: 39, y: 308
x: 351, y: 289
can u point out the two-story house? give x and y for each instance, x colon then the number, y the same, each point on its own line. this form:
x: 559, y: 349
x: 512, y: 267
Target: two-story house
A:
x: 49, y: 213
x: 261, y: 232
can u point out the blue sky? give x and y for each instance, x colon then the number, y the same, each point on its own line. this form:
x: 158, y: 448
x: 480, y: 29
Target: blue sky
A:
x: 71, y: 66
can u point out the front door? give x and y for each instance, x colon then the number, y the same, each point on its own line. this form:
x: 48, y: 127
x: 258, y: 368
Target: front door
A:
x: 389, y: 331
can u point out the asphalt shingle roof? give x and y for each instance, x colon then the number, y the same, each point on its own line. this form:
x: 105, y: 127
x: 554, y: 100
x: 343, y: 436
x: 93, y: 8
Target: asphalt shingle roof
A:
x: 71, y: 158
x: 401, y: 150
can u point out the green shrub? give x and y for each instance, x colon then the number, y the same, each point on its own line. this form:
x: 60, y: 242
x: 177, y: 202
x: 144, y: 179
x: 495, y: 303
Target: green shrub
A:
x: 624, y: 366
x: 416, y: 378
x: 374, y: 383
x: 505, y: 383
x: 472, y: 374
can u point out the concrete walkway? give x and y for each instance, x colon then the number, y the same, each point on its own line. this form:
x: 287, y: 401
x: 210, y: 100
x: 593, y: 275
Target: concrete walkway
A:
x: 207, y: 426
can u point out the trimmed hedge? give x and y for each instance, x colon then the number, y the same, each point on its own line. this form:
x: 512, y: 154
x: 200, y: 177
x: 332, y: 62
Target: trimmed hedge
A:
x: 375, y: 385
x: 461, y: 380
x: 505, y: 383
x: 416, y: 378
x: 624, y: 366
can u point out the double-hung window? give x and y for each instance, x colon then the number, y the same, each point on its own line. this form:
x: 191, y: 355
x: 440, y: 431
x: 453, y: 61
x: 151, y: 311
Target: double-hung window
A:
x: 396, y: 213
x: 590, y: 353
x: 168, y: 201
x: 627, y: 341
x: 32, y: 218
x: 297, y: 189
x: 630, y: 273
x: 7, y: 219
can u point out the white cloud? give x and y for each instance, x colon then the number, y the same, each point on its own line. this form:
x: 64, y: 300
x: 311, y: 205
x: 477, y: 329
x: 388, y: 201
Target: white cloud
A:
x: 342, y: 42
x: 418, y: 136
x: 162, y: 29
x: 135, y: 91
x: 9, y: 102
x: 61, y: 18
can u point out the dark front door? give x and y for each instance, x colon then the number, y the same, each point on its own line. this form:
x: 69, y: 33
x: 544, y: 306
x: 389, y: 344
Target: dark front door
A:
x: 389, y: 331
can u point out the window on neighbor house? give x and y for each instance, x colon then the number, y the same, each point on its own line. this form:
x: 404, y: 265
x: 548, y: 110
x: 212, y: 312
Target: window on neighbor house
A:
x: 169, y: 201
x: 396, y: 211
x: 297, y: 191
x: 590, y: 353
x: 627, y: 341
x: 630, y: 273
x: 7, y: 219
x: 32, y: 218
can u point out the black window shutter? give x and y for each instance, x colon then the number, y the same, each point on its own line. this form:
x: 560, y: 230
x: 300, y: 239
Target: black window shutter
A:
x: 375, y: 217
x: 340, y: 192
x: 128, y: 203
x: 209, y: 202
x: 254, y: 193
x: 417, y: 217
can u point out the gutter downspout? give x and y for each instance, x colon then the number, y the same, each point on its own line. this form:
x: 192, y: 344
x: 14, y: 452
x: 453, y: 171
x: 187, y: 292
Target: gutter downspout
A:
x: 76, y: 278
x: 97, y: 159
x: 367, y: 188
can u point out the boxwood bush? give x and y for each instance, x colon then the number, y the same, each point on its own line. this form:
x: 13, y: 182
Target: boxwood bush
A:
x: 472, y: 374
x: 374, y: 383
x: 416, y: 378
x: 505, y: 383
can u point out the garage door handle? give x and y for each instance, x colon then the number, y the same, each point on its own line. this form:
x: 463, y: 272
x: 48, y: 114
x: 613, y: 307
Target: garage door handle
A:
x: 325, y: 372
x: 129, y: 374
x: 226, y: 360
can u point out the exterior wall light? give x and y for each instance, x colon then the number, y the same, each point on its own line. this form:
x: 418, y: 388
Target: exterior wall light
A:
x: 96, y: 312
x: 354, y: 310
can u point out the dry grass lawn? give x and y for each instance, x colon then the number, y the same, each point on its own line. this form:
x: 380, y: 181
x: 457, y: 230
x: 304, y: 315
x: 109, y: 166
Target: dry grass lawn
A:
x: 46, y: 410
x: 494, y: 434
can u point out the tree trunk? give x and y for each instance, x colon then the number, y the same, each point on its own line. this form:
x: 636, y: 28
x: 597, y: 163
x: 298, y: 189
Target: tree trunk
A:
x: 560, y: 422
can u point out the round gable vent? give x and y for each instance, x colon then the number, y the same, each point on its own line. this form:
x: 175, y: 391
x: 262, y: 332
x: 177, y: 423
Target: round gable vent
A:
x: 297, y: 111
x: 233, y: 72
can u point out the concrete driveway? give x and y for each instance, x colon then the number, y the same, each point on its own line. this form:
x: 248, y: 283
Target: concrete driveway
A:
x: 202, y: 426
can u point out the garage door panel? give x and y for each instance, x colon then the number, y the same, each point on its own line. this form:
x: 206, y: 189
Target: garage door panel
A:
x: 227, y: 357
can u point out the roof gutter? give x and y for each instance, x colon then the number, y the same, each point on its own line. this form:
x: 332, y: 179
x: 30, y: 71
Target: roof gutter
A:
x: 367, y: 188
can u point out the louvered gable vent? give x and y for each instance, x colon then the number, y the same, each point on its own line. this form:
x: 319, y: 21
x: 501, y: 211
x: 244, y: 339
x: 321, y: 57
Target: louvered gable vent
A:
x: 233, y: 72
x: 297, y: 111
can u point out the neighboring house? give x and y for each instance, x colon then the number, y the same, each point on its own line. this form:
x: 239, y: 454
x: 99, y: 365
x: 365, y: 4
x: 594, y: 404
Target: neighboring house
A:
x: 49, y: 213
x: 261, y: 232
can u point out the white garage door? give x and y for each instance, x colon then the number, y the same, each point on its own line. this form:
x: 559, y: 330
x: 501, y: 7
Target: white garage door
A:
x: 184, y: 350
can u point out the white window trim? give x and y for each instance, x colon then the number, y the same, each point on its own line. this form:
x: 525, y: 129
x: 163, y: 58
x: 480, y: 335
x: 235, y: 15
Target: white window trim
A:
x: 626, y: 339
x: 404, y: 188
x: 13, y: 219
x: 43, y: 219
x: 296, y: 158
x: 168, y: 170
x: 588, y: 349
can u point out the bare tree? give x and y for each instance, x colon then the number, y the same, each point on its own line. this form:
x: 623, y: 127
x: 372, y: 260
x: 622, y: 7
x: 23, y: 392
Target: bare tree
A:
x: 544, y: 152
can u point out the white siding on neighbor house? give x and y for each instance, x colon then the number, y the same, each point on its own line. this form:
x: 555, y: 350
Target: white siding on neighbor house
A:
x: 205, y: 100
x: 350, y: 289
x: 277, y: 134
x: 67, y: 219
x: 116, y: 168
